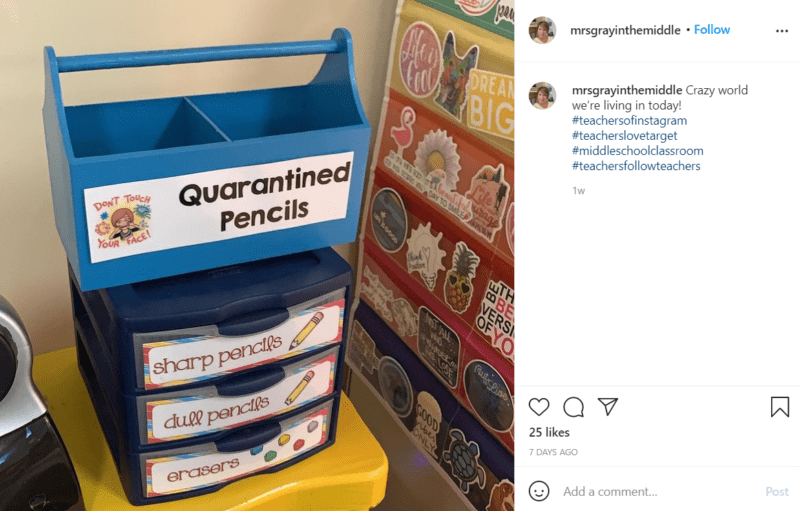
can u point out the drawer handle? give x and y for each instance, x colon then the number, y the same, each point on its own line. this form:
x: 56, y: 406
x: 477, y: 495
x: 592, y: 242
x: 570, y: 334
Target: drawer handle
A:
x: 248, y: 438
x: 248, y: 324
x: 251, y: 383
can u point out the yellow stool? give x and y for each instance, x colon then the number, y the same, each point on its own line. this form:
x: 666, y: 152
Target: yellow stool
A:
x: 348, y: 476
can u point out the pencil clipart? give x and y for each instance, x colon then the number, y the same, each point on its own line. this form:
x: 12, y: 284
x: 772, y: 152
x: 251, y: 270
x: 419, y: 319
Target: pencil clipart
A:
x: 300, y: 387
x: 306, y: 330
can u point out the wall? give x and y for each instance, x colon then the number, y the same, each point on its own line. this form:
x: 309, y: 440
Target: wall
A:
x: 33, y: 267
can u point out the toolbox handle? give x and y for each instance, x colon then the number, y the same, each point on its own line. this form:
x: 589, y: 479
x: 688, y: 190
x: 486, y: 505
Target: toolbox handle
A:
x: 252, y: 323
x: 249, y: 438
x: 337, y: 70
x: 251, y: 383
x: 193, y: 55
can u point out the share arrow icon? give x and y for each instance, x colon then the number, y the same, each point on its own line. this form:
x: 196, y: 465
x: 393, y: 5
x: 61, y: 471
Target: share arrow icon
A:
x: 609, y: 403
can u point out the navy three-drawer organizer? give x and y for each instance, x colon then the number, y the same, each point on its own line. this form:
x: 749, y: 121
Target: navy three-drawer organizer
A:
x: 202, y: 379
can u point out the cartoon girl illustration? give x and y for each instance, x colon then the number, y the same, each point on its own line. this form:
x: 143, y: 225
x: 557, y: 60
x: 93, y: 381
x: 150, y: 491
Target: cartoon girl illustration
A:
x: 122, y: 220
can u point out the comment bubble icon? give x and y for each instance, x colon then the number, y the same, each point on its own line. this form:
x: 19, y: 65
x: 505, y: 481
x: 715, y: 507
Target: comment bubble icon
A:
x: 573, y: 407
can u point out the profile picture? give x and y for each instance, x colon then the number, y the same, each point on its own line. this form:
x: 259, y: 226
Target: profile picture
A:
x: 542, y: 95
x: 542, y: 30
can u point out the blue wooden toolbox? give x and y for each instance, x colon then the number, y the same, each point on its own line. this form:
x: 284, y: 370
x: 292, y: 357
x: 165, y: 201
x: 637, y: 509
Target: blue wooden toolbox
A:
x: 236, y: 369
x: 160, y: 187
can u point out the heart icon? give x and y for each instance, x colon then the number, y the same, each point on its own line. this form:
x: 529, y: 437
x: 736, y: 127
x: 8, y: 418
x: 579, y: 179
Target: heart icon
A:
x: 539, y: 406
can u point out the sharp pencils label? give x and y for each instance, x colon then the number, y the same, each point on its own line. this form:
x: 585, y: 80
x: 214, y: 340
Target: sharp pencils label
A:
x: 191, y: 359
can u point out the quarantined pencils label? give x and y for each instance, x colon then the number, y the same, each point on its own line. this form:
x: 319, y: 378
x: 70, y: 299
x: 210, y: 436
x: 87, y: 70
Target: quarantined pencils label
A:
x: 133, y: 218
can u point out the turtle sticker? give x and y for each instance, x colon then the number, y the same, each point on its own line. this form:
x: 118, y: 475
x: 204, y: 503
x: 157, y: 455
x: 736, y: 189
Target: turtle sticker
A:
x: 463, y: 458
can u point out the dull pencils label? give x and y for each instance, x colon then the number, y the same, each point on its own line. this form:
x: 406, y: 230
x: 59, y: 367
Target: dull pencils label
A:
x: 190, y: 416
x: 195, y: 358
x: 159, y: 214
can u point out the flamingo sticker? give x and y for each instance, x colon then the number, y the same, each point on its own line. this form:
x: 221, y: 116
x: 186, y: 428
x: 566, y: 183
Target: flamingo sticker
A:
x: 404, y: 133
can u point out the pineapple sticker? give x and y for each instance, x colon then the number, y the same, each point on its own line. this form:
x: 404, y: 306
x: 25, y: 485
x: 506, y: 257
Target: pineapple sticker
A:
x: 458, y: 283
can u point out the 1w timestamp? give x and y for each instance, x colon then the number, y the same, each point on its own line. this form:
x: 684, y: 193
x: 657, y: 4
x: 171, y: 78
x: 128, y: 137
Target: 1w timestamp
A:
x: 548, y: 432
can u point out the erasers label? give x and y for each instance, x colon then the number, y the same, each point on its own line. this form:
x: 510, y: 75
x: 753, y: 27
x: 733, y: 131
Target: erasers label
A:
x: 192, y: 471
x: 192, y: 416
x: 148, y: 216
x: 191, y: 359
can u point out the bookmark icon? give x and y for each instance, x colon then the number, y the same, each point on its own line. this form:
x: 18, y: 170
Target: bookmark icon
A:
x: 780, y: 404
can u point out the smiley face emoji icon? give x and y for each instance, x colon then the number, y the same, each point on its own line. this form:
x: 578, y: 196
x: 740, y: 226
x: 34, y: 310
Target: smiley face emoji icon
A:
x: 539, y: 491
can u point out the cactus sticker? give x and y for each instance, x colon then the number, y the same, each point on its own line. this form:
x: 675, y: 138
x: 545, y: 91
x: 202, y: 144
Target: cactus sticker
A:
x: 424, y: 255
x: 458, y: 288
